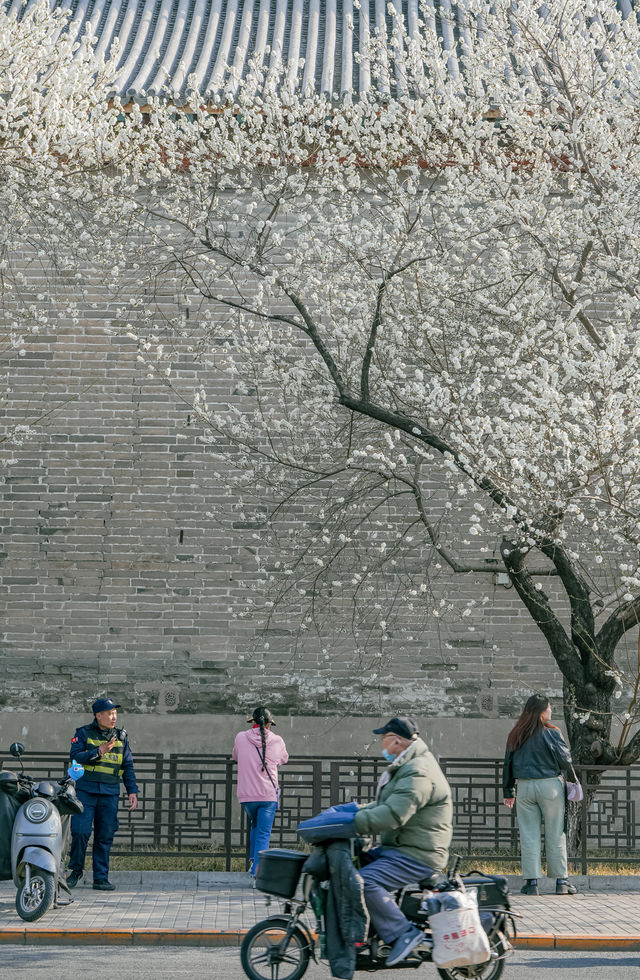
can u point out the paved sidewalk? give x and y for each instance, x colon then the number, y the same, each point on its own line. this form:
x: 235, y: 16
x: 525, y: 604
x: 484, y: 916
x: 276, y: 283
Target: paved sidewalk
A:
x: 220, y: 914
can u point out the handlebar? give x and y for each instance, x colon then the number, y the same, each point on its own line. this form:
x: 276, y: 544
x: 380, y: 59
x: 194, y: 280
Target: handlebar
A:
x: 455, y: 867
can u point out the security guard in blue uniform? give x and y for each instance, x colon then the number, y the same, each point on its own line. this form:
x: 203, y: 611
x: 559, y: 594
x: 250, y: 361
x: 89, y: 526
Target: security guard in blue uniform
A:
x: 104, y: 752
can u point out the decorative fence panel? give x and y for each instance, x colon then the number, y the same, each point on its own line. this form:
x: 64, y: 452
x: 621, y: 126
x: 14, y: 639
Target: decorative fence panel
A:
x: 188, y: 805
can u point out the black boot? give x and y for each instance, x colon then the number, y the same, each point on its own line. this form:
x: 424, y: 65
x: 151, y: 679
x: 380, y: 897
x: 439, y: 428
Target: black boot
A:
x: 73, y: 877
x: 564, y: 888
x: 530, y: 887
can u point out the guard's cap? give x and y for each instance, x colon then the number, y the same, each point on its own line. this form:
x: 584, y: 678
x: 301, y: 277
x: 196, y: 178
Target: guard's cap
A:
x: 403, y: 726
x: 103, y: 704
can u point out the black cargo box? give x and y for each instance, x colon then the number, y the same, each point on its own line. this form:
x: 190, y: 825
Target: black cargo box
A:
x: 493, y: 890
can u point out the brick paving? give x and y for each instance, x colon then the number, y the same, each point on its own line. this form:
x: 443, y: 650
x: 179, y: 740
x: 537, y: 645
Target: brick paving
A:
x: 219, y: 915
x: 612, y: 914
x: 200, y: 909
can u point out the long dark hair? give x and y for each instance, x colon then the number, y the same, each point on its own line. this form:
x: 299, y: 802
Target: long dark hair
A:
x: 529, y: 722
x: 262, y: 716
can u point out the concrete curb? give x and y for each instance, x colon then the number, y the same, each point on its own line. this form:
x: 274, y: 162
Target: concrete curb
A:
x: 593, y: 943
x: 142, y: 936
x: 233, y: 937
x: 584, y: 883
x: 188, y: 880
x: 172, y: 880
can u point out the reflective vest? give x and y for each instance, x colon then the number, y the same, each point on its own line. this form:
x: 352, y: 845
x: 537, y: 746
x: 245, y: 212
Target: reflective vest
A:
x: 108, y: 768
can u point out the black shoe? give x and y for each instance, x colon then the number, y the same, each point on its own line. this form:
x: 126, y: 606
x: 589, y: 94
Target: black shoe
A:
x: 73, y: 877
x: 404, y: 944
x: 104, y: 886
x: 564, y: 888
x: 530, y: 887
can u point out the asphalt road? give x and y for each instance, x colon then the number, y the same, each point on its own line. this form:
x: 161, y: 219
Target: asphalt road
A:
x: 169, y: 962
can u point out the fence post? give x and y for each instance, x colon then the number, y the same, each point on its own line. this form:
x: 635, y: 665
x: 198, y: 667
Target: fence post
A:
x: 497, y: 789
x: 228, y: 794
x: 316, y: 786
x: 173, y: 796
x: 334, y: 783
x: 631, y: 825
x: 158, y: 785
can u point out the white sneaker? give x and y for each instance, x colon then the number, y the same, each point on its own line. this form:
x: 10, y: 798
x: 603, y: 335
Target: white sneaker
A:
x: 404, y: 944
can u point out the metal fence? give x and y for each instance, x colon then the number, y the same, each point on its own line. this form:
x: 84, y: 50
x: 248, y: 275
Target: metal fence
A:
x: 188, y: 805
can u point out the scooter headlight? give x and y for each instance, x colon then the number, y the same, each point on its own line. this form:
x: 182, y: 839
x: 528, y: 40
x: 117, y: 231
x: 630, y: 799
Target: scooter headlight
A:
x: 37, y: 811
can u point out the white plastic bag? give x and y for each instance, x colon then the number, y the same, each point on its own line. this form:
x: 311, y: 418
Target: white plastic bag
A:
x: 458, y: 936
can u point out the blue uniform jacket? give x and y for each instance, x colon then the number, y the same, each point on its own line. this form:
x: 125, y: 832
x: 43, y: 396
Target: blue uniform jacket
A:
x: 80, y: 753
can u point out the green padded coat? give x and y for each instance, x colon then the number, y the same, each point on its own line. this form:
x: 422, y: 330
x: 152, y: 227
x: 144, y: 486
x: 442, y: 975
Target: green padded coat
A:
x: 413, y: 812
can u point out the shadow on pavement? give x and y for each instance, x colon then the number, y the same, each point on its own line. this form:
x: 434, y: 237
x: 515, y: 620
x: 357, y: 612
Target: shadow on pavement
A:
x: 566, y: 961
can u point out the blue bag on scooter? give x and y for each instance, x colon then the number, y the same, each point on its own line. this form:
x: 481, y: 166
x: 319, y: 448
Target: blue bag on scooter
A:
x: 335, y: 823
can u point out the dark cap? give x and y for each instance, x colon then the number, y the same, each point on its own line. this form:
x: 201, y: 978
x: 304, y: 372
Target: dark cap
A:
x: 403, y: 726
x: 103, y: 704
x: 262, y: 715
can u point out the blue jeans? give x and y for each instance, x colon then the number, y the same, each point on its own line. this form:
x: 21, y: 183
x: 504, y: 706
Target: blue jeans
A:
x: 260, y: 816
x: 101, y: 814
x: 390, y: 869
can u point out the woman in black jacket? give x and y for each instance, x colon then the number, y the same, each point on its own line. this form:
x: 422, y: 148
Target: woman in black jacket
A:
x: 536, y: 756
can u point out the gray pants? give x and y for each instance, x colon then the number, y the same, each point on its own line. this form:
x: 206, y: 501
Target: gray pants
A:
x: 538, y: 800
x: 390, y: 869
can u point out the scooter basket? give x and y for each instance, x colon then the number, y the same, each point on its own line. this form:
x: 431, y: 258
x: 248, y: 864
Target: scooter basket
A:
x: 279, y: 871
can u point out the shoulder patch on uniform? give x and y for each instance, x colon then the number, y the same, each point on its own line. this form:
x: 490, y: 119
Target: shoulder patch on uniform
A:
x: 74, y: 739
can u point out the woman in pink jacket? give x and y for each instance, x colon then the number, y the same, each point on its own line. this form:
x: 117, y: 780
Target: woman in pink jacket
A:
x: 258, y: 752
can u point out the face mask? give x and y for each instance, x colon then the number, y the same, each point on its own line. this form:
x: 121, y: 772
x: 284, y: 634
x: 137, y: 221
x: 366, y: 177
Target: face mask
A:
x: 389, y: 756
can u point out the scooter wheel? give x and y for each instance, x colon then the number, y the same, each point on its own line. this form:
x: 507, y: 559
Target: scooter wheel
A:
x: 490, y: 970
x: 33, y: 902
x: 263, y: 959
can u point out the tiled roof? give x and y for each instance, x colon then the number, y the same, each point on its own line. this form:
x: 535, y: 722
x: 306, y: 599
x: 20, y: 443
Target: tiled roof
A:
x: 172, y: 47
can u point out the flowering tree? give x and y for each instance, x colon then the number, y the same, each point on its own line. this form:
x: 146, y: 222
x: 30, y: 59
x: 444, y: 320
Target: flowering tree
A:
x: 56, y: 128
x: 437, y: 287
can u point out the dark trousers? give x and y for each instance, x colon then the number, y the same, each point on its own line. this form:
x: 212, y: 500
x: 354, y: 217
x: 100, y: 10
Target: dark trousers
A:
x: 101, y: 814
x: 389, y: 870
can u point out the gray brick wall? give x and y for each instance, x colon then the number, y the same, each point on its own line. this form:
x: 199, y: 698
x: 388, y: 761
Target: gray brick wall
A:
x: 113, y: 577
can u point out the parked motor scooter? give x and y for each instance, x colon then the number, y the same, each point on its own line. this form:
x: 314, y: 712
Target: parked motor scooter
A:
x: 35, y: 817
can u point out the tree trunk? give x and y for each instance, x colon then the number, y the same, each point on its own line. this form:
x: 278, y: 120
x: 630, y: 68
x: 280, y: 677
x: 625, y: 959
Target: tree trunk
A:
x: 587, y: 716
x: 586, y: 735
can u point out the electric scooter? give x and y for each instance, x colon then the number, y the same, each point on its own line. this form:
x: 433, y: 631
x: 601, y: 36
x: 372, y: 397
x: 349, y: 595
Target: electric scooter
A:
x: 281, y: 946
x: 37, y: 817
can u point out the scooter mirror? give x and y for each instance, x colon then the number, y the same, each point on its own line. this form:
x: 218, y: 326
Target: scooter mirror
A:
x: 16, y: 749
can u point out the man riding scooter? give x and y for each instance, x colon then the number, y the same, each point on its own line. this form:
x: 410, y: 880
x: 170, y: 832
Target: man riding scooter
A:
x: 413, y: 814
x: 435, y: 921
